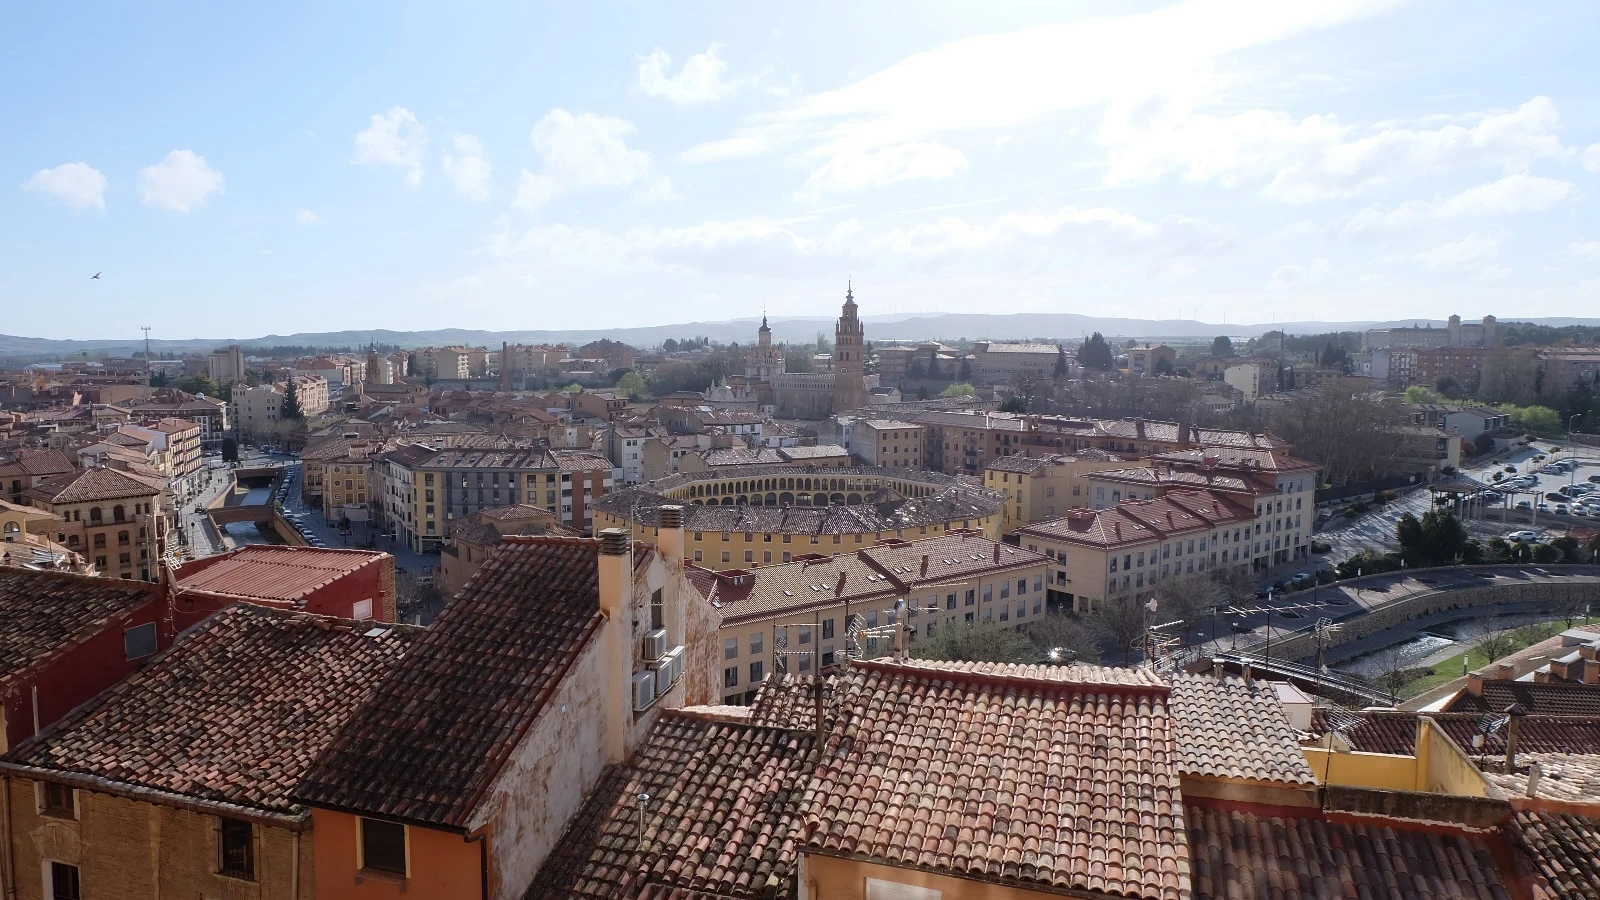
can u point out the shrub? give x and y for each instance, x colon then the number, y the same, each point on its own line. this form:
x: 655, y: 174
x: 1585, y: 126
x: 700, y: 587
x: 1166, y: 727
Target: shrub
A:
x: 1321, y: 547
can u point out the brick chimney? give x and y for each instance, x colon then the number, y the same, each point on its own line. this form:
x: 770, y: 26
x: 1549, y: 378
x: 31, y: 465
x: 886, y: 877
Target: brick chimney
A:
x: 838, y: 587
x: 616, y: 579
x: 1475, y: 684
x: 669, y: 536
x: 1513, y: 730
x: 996, y: 552
x: 924, y: 565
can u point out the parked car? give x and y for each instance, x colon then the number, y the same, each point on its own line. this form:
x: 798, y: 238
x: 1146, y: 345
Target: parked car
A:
x: 1580, y: 510
x: 1522, y: 536
x: 1543, y: 507
x: 1523, y: 504
x: 1595, y: 478
x: 1562, y: 509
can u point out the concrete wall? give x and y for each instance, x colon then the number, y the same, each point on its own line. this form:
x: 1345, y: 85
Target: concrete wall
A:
x: 135, y: 850
x: 1383, y: 771
x: 1393, y: 612
x: 1442, y: 767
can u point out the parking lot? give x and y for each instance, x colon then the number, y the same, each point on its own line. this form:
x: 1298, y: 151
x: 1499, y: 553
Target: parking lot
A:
x: 1560, y: 491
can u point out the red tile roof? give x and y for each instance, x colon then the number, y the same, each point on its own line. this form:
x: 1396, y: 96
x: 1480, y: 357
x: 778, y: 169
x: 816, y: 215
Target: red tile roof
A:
x: 45, y: 613
x: 1395, y: 731
x: 1143, y: 521
x: 1249, y: 856
x: 273, y: 572
x: 1563, y: 850
x: 719, y: 821
x: 1228, y: 728
x: 949, y: 771
x: 95, y: 484
x: 484, y: 671
x: 1551, y: 698
x: 234, y: 712
x: 34, y: 463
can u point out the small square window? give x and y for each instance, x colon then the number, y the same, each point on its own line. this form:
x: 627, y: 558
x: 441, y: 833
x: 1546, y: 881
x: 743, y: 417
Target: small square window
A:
x: 236, y: 842
x: 383, y: 846
x: 58, y: 800
x: 64, y: 882
x: 140, y: 640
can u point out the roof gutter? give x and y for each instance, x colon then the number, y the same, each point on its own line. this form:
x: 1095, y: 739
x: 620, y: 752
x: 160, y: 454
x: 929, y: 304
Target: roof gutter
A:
x: 288, y: 821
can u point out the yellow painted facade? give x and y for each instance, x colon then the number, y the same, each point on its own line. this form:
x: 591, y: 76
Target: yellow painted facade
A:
x: 1047, y: 491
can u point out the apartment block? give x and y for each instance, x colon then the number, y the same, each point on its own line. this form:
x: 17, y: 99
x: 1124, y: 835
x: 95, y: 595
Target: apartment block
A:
x: 1044, y: 487
x: 889, y: 442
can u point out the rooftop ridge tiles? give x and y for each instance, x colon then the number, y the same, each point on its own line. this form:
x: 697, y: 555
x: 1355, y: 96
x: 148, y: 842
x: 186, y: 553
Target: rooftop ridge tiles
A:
x: 998, y: 674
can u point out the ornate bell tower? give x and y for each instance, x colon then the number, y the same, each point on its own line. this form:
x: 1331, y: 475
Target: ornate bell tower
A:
x: 849, y: 387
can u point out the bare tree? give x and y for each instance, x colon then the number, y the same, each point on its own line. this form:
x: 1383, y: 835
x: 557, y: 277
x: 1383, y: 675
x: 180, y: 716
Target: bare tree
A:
x: 1188, y: 599
x: 1064, y: 638
x: 1121, y: 620
x: 1393, y: 672
x: 1570, y: 608
x: 980, y: 642
x: 1346, y: 432
x: 1492, y: 640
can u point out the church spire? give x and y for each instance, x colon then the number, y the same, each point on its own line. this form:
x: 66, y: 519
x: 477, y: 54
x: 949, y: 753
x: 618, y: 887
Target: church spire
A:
x: 849, y: 292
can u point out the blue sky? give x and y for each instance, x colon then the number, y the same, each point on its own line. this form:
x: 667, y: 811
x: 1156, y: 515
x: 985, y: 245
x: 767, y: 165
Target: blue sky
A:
x: 239, y: 170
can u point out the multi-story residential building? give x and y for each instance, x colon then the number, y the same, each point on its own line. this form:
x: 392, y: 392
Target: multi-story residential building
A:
x: 436, y: 363
x: 112, y: 801
x: 345, y: 490
x: 260, y: 408
x: 1425, y: 451
x: 523, y: 361
x: 453, y: 484
x: 1454, y: 334
x: 182, y: 439
x: 1464, y: 364
x: 994, y: 362
x: 1252, y: 378
x: 616, y: 354
x: 23, y: 469
x: 226, y: 364
x: 889, y: 442
x: 391, y: 482
x: 1146, y: 359
x: 474, y: 539
x: 336, y: 374
x: 211, y: 413
x: 625, y: 447
x: 117, y: 520
x: 1044, y: 487
x: 1123, y: 550
x: 1281, y: 489
x: 809, y: 614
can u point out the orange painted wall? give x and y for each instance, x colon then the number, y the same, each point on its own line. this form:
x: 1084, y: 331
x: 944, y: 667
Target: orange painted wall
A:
x: 443, y: 865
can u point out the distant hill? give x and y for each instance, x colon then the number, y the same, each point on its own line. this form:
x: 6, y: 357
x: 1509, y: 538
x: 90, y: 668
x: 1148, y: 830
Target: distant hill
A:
x: 1064, y: 327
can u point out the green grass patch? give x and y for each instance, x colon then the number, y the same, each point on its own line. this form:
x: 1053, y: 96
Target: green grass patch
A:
x: 1449, y: 669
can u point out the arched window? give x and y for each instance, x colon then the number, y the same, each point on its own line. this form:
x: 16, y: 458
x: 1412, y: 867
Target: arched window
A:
x: 94, y: 514
x: 119, y: 513
x: 12, y: 531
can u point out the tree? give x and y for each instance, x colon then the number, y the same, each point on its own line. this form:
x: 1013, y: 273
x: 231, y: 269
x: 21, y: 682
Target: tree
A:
x: 1491, y: 640
x: 573, y: 388
x: 159, y: 380
x: 1545, y: 554
x: 1122, y: 621
x: 1096, y: 353
x: 1188, y: 599
x: 959, y: 389
x: 1061, y: 363
x: 966, y: 370
x: 933, y: 367
x: 1484, y: 443
x: 1393, y: 673
x: 1568, y: 545
x: 1014, y: 405
x: 1062, y: 638
x: 615, y: 375
x: 1333, y: 356
x: 230, y: 449
x: 1419, y: 394
x: 1163, y: 366
x: 631, y: 385
x: 290, y: 410
x: 199, y: 384
x: 1540, y: 420
x: 1222, y: 345
x: 1448, y: 387
x: 669, y: 346
x: 986, y: 641
x: 915, y: 370
x: 1437, y: 537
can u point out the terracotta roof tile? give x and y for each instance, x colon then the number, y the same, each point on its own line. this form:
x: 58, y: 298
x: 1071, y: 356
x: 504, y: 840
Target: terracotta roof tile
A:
x: 1227, y: 728
x: 1395, y: 731
x: 1552, y: 698
x: 1567, y: 777
x: 723, y: 804
x: 485, y: 669
x: 234, y: 712
x: 1245, y: 856
x: 42, y: 613
x: 273, y: 572
x: 1564, y: 851
x: 986, y: 773
x: 96, y: 484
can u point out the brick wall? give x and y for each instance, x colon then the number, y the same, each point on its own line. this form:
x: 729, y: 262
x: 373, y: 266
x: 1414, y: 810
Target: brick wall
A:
x: 132, y: 850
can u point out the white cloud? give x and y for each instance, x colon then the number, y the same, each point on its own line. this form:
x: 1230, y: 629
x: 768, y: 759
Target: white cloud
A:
x: 1102, y: 231
x: 725, y: 150
x: 1585, y: 249
x: 394, y: 138
x: 1295, y: 275
x: 584, y: 151
x: 181, y: 182
x: 1591, y: 158
x: 699, y: 81
x: 996, y: 81
x: 1514, y: 194
x: 855, y: 169
x: 78, y: 185
x: 1317, y: 157
x: 1472, y: 250
x: 466, y: 169
x: 307, y: 217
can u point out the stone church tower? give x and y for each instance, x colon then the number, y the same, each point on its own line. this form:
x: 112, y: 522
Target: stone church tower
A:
x: 849, y: 387
x: 764, y: 362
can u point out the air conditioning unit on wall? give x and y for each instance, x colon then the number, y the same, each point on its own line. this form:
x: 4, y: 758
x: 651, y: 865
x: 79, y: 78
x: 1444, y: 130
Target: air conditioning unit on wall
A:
x: 655, y: 644
x: 668, y: 669
x: 644, y: 690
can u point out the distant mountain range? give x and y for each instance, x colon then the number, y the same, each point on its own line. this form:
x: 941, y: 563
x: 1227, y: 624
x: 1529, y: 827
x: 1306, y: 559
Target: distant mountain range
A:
x: 1064, y: 327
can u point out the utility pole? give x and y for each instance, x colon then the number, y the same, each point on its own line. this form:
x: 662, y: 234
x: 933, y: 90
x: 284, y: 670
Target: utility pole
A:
x: 146, y: 330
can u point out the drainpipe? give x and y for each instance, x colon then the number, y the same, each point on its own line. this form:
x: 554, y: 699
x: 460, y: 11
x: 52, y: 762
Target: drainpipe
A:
x: 7, y: 863
x: 294, y: 868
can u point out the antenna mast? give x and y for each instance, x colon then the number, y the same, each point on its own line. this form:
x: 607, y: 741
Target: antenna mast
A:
x: 146, y: 330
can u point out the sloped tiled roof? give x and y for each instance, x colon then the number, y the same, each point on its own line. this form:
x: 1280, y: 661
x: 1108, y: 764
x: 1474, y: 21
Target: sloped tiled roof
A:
x: 95, y: 484
x: 273, y: 572
x: 484, y: 671
x: 42, y: 613
x: 1248, y: 856
x: 1550, y: 698
x: 949, y: 771
x: 1565, y: 777
x: 234, y: 712
x: 723, y: 798
x: 1564, y: 852
x: 34, y: 463
x: 1395, y: 731
x: 1229, y: 728
x: 1142, y: 521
